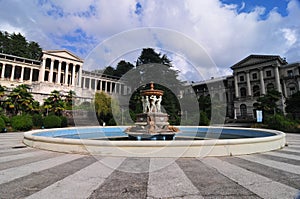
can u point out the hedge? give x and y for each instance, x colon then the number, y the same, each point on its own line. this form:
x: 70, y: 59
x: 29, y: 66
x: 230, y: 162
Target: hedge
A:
x: 21, y: 122
x: 52, y: 121
x: 2, y: 125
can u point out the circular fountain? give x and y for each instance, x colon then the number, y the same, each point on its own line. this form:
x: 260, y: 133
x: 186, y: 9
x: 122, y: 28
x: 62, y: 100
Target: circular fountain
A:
x: 152, y: 136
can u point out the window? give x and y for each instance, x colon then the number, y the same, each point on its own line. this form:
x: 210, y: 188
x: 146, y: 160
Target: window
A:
x: 242, y: 78
x: 290, y: 73
x: 268, y: 73
x: 254, y: 76
x: 243, y: 92
x: 243, y: 109
x: 292, y: 90
x: 256, y: 91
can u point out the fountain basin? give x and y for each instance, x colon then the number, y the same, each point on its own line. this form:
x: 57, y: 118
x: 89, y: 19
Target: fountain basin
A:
x: 191, y: 142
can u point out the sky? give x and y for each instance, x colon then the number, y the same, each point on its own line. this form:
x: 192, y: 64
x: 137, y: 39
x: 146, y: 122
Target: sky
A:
x: 223, y: 32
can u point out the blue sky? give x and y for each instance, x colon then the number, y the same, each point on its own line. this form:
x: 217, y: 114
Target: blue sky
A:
x: 227, y: 30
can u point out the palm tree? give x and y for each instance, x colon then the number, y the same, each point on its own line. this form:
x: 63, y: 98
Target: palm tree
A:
x: 69, y: 99
x: 54, y: 103
x: 20, y: 100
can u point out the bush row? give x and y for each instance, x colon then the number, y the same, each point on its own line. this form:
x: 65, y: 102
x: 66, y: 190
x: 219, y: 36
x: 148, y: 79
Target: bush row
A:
x: 27, y: 122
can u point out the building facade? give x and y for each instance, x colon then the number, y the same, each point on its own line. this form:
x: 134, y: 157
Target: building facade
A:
x: 252, y: 78
x: 56, y: 70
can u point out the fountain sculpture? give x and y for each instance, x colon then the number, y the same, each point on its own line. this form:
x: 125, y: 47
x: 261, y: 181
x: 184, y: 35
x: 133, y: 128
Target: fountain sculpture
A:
x: 152, y: 123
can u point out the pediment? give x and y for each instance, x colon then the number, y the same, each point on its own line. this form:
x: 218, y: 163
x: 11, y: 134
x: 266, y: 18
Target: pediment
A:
x: 63, y: 54
x: 256, y: 59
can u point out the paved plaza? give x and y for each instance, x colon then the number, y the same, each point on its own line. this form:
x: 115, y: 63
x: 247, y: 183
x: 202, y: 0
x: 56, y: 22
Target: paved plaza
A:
x: 33, y: 173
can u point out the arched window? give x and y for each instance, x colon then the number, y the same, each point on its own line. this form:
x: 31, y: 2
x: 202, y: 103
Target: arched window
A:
x: 270, y: 87
x: 291, y: 89
x: 243, y: 92
x: 243, y: 110
x: 256, y: 91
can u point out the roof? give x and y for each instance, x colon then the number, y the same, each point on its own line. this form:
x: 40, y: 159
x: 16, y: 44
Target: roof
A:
x: 257, y: 59
x: 63, y: 54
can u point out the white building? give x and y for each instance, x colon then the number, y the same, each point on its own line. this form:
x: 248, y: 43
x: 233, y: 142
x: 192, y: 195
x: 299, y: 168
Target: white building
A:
x: 56, y: 70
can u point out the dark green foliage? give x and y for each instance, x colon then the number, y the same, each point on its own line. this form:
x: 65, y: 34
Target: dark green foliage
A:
x: 279, y: 122
x: 37, y: 120
x: 204, y: 121
x: 52, y: 121
x: 54, y: 103
x: 267, y: 103
x: 16, y: 44
x: 21, y: 122
x: 64, y: 121
x: 20, y: 100
x: 293, y: 105
x: 5, y: 119
x: 122, y: 68
x: 2, y: 125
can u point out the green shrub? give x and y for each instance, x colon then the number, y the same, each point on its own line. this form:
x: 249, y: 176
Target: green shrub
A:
x: 2, y: 125
x: 21, y: 122
x: 5, y: 119
x: 64, y: 121
x: 204, y: 121
x: 37, y: 120
x: 279, y: 122
x: 52, y: 121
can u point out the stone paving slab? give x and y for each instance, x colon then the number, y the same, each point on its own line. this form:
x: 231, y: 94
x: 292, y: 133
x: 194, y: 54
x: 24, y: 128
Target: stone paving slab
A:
x: 32, y: 173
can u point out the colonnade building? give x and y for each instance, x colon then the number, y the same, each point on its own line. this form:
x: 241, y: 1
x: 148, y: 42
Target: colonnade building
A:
x: 56, y: 70
x: 252, y: 78
x: 63, y: 71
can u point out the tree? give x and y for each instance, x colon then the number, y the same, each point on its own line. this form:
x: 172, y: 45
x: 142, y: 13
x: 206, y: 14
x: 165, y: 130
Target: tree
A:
x: 69, y: 99
x: 109, y: 71
x: 104, y: 107
x: 2, y: 94
x: 267, y: 103
x: 54, y: 103
x: 16, y: 44
x: 122, y: 68
x: 20, y: 100
x: 293, y: 105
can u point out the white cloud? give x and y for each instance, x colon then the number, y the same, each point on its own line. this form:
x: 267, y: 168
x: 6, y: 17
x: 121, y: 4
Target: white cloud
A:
x: 224, y: 33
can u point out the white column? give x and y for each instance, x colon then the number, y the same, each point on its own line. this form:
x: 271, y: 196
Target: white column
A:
x: 22, y: 74
x: 111, y: 87
x: 12, y: 73
x: 42, y: 70
x: 90, y: 84
x: 236, y: 87
x: 31, y: 74
x: 3, y: 71
x: 262, y: 82
x: 66, y: 73
x: 79, y: 75
x: 284, y: 88
x: 95, y: 85
x: 100, y: 85
x: 73, y: 75
x: 105, y: 85
x: 248, y: 83
x: 50, y: 78
x: 59, y: 71
x: 277, y: 80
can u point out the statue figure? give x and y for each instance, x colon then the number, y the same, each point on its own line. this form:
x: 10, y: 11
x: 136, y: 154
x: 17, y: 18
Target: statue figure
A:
x: 153, y: 101
x: 158, y: 104
x: 147, y: 104
x: 144, y: 105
